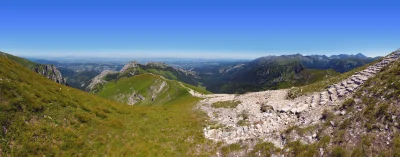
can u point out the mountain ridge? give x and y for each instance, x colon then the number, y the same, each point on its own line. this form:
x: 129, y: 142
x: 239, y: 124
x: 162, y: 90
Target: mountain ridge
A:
x: 134, y: 68
x: 277, y: 72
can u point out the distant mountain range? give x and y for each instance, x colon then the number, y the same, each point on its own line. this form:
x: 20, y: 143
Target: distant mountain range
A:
x: 274, y: 72
x: 269, y: 72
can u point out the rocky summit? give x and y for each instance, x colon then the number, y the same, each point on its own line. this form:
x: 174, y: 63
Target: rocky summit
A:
x: 266, y: 115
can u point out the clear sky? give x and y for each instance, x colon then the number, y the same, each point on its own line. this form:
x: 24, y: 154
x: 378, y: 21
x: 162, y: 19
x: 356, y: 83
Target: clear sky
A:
x: 198, y: 28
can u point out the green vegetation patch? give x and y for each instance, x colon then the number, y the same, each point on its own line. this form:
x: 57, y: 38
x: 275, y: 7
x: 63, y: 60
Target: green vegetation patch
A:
x: 39, y: 117
x: 226, y: 104
x: 226, y: 150
x: 146, y: 89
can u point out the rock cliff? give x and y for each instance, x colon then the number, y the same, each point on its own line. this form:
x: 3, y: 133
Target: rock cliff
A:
x: 51, y: 72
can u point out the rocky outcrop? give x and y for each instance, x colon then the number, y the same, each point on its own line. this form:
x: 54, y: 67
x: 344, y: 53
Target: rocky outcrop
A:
x: 266, y: 115
x: 135, y: 98
x: 132, y: 64
x: 157, y: 65
x: 51, y: 72
x: 99, y: 79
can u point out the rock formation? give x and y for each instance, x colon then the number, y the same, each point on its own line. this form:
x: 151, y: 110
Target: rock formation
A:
x: 51, y: 72
x: 99, y: 79
x: 132, y: 64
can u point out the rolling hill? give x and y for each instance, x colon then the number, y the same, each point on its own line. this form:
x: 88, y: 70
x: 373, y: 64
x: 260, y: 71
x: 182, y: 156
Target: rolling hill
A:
x: 143, y: 89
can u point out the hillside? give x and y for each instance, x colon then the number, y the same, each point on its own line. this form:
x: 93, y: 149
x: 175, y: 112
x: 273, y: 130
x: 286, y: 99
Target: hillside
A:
x: 40, y: 117
x: 47, y: 70
x: 143, y: 89
x: 366, y: 124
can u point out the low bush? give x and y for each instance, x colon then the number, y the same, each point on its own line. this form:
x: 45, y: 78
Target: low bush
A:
x: 226, y: 104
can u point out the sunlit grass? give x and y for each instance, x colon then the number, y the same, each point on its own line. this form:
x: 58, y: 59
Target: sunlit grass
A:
x: 42, y: 117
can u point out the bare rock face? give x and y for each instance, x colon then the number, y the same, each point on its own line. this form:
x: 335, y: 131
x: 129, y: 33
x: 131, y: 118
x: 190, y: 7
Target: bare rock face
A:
x: 51, y: 72
x: 135, y: 98
x: 99, y: 79
x: 157, y: 64
x: 132, y: 64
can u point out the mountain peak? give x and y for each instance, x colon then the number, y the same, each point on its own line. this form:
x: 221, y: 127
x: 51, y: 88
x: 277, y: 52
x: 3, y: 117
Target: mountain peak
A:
x: 360, y: 55
x: 131, y: 64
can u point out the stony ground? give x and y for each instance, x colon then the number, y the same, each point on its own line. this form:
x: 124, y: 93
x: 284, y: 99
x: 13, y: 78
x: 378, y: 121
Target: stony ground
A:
x: 265, y: 115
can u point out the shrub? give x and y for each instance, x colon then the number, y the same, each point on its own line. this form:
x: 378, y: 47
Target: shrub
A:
x: 324, y: 141
x: 265, y: 148
x: 327, y: 115
x: 226, y: 104
x: 243, y: 123
x: 296, y: 148
x: 101, y: 114
x: 382, y: 110
x: 344, y: 124
x: 293, y: 93
x: 338, y: 152
x: 231, y: 148
x: 396, y: 146
x: 348, y: 103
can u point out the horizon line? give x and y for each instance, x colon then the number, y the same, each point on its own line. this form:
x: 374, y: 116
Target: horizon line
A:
x: 179, y: 54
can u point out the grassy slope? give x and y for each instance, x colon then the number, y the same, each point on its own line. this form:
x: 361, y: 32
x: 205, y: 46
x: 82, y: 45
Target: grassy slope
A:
x: 144, y: 84
x: 20, y: 60
x: 39, y: 116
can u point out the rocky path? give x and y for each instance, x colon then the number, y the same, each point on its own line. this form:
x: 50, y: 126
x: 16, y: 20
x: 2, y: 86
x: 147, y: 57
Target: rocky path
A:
x: 248, y: 121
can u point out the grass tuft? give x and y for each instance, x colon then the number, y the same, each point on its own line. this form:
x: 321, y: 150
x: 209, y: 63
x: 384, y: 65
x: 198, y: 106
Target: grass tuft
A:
x: 226, y: 104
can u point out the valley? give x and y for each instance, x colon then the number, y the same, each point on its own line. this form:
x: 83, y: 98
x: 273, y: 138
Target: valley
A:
x: 157, y: 109
x: 203, y: 78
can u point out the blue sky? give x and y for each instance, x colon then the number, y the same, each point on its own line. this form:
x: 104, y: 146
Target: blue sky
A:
x: 198, y: 28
